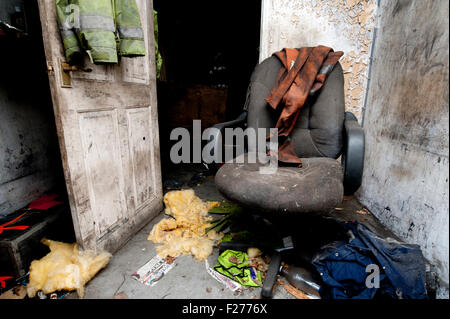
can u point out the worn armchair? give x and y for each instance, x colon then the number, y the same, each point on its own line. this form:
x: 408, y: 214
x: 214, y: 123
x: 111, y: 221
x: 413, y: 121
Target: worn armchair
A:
x: 323, y: 133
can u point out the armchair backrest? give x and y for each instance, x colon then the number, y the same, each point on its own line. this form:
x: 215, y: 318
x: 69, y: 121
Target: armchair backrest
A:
x: 319, y: 129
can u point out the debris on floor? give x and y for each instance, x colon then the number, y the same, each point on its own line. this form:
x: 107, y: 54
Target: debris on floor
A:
x: 363, y: 211
x: 22, y: 230
x: 41, y: 295
x: 293, y: 291
x: 232, y: 215
x: 18, y: 292
x: 236, y: 266
x: 64, y: 268
x: 302, y: 279
x: 54, y: 295
x: 3, y: 280
x: 367, y: 265
x: 42, y: 203
x: 154, y: 270
x: 184, y: 233
x: 120, y: 295
x: 198, y: 178
x: 5, y: 226
x: 172, y: 184
x: 227, y: 282
x: 10, y: 283
x: 45, y: 202
x: 253, y: 252
x: 261, y: 263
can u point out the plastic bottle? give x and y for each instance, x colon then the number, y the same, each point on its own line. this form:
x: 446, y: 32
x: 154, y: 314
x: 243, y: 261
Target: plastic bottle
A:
x: 302, y: 279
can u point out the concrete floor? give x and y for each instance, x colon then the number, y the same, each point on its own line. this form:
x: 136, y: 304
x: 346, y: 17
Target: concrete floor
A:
x: 188, y: 279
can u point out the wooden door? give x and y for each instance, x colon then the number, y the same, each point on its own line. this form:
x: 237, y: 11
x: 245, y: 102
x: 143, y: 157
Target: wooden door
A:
x: 108, y: 134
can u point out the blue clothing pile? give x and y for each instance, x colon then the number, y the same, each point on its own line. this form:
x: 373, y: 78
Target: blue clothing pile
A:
x: 346, y: 266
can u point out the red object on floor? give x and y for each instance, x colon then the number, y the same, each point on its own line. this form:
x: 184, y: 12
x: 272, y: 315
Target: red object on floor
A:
x: 2, y: 227
x: 45, y: 202
x: 3, y: 280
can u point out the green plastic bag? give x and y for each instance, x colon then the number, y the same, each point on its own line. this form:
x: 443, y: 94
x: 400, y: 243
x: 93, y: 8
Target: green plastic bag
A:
x: 234, y: 265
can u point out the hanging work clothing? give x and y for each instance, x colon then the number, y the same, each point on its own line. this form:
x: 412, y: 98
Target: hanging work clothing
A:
x: 302, y: 74
x: 158, y: 57
x: 104, y: 29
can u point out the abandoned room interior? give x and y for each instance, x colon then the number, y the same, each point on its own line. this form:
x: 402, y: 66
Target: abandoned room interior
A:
x: 135, y: 172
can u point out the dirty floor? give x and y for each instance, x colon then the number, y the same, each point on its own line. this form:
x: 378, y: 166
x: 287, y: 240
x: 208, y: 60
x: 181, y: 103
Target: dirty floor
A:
x: 189, y: 279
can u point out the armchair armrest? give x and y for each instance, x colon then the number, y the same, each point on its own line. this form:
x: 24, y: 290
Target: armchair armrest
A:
x: 216, y: 136
x: 353, y: 155
x: 241, y: 119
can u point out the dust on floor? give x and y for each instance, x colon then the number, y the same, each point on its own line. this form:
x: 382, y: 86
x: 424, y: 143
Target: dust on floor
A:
x: 189, y: 278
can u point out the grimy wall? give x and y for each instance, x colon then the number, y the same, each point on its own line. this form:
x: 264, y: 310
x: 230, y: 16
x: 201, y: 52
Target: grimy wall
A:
x: 396, y: 77
x: 342, y: 25
x: 30, y: 162
x: 406, y: 173
x: 28, y: 146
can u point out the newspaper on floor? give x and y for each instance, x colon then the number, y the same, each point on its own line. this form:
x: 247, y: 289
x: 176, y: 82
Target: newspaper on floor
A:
x: 154, y: 270
x: 230, y: 284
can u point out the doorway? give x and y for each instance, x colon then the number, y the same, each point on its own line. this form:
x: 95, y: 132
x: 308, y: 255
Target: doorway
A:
x: 209, y: 50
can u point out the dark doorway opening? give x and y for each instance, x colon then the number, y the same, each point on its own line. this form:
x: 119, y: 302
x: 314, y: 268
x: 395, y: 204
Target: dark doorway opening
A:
x: 209, y: 50
x: 30, y: 158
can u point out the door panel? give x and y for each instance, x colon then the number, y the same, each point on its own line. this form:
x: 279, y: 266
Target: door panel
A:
x: 133, y: 70
x: 140, y: 150
x: 99, y: 73
x: 108, y: 133
x: 103, y: 165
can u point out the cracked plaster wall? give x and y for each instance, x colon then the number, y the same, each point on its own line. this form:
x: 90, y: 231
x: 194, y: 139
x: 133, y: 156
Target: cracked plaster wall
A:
x: 406, y: 169
x: 405, y: 182
x: 344, y: 25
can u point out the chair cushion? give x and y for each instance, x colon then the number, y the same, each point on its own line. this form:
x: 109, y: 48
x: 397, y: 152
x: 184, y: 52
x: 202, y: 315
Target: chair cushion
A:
x: 319, y: 127
x: 316, y: 187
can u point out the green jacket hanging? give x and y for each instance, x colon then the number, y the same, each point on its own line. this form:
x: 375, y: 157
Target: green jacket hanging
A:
x: 104, y: 29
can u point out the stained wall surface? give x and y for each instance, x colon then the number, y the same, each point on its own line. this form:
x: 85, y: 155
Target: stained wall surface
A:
x: 30, y: 162
x: 396, y: 82
x: 344, y: 25
x: 28, y: 146
x: 405, y: 182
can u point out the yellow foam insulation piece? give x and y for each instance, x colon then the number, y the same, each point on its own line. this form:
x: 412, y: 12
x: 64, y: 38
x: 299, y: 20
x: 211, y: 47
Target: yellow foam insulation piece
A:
x: 184, y: 234
x: 65, y: 267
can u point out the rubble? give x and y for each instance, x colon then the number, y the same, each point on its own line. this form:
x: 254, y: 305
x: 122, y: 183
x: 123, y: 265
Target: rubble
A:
x: 64, y: 268
x: 184, y: 233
